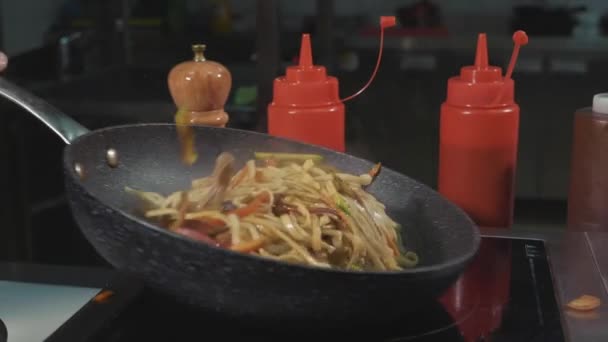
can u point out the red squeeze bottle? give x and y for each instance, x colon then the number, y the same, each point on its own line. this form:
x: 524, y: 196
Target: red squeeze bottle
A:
x: 306, y: 105
x: 478, y: 139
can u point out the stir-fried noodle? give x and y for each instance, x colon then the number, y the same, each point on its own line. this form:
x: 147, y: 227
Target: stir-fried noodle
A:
x: 288, y: 207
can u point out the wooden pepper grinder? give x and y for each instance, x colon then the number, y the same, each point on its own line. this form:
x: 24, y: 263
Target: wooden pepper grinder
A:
x: 199, y: 88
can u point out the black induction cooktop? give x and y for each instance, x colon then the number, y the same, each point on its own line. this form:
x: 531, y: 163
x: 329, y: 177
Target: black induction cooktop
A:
x: 506, y: 294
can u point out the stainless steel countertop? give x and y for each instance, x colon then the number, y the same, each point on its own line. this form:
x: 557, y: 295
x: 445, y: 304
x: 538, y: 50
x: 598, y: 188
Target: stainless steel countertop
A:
x: 579, y: 265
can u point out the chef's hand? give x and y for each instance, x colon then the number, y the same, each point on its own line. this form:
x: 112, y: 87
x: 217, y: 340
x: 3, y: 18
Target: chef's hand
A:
x: 3, y: 61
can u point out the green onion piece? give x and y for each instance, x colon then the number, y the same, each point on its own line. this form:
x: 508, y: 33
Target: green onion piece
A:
x: 342, y: 205
x: 355, y: 267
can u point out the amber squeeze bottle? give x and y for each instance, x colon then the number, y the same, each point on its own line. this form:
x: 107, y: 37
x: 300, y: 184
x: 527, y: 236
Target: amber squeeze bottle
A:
x: 588, y: 193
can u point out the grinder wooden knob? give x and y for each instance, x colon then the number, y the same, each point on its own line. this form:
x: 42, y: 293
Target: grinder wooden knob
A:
x: 200, y: 89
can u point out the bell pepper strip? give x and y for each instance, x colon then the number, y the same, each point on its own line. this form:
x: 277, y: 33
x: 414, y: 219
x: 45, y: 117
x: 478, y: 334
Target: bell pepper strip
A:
x: 196, y: 235
x: 208, y: 226
x: 212, y: 221
x: 252, y: 207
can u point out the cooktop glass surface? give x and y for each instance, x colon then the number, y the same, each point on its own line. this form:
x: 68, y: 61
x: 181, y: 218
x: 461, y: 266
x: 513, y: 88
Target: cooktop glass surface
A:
x: 31, y: 311
x: 506, y: 294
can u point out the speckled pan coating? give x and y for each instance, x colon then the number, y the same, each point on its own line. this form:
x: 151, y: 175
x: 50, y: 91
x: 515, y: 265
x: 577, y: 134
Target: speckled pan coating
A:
x: 223, y: 281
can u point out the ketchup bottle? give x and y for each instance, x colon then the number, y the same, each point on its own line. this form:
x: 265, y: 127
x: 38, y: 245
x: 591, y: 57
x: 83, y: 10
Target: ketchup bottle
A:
x: 306, y: 105
x: 478, y: 139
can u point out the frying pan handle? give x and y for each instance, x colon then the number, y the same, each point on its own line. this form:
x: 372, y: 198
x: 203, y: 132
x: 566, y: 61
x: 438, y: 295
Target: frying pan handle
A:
x: 65, y: 127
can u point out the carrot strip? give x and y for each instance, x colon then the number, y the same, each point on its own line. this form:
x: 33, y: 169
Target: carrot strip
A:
x: 253, y: 206
x: 103, y: 296
x: 212, y: 222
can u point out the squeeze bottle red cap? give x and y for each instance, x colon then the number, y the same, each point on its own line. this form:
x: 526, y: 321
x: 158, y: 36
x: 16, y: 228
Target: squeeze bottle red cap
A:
x: 481, y: 84
x: 306, y: 105
x: 306, y: 84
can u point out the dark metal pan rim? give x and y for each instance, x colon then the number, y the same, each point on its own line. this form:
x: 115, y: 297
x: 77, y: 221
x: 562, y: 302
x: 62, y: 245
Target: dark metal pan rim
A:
x: 418, y: 271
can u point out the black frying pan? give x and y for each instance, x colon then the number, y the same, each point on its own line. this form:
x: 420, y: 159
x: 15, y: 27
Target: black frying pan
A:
x: 98, y: 165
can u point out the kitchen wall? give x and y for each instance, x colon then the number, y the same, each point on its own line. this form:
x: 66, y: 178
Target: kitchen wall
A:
x: 460, y: 16
x: 24, y: 22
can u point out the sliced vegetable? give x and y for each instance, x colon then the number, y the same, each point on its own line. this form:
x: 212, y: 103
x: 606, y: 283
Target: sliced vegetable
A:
x: 254, y: 206
x: 375, y: 171
x: 196, y: 235
x: 355, y: 267
x: 342, y: 205
x: 208, y: 226
x: 343, y: 220
x: 288, y: 156
x: 280, y: 207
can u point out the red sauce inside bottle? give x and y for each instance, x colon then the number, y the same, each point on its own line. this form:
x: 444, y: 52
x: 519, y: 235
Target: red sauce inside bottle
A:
x: 588, y: 195
x: 478, y: 161
x: 478, y: 139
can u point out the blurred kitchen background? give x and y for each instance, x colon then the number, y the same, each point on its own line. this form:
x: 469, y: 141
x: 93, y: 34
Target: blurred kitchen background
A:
x: 105, y: 63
